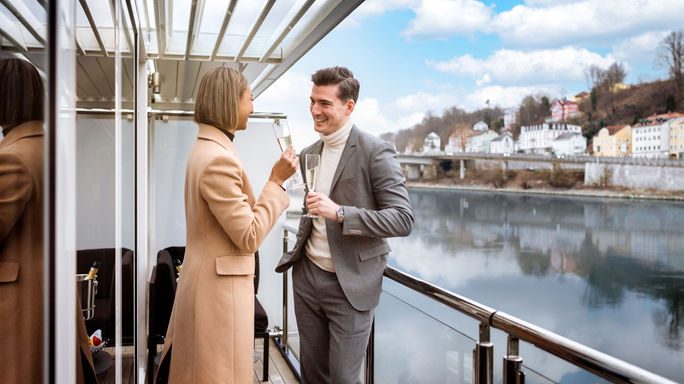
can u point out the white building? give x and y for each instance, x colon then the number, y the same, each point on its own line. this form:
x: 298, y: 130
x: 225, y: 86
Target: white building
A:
x: 651, y: 136
x: 510, y: 118
x: 432, y: 143
x: 539, y: 138
x: 503, y: 144
x: 569, y: 143
x: 480, y: 126
x: 456, y: 143
x: 480, y: 141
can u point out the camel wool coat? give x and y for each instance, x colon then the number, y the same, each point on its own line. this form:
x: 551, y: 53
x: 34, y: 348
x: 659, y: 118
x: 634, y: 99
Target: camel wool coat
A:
x: 210, y: 338
x: 21, y: 254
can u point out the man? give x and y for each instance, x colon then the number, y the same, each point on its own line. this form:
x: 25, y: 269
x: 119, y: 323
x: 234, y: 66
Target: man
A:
x: 339, y: 257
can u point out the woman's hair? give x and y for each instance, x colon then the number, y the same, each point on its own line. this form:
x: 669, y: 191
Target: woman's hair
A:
x: 21, y: 93
x: 218, y: 98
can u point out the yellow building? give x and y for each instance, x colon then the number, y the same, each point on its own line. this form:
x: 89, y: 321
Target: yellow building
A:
x: 614, y: 140
x: 677, y: 138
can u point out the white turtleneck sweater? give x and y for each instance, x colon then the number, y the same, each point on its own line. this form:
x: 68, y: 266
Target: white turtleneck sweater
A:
x: 317, y: 248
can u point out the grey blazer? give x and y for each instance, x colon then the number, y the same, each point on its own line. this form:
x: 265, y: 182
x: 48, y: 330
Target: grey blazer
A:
x: 369, y: 184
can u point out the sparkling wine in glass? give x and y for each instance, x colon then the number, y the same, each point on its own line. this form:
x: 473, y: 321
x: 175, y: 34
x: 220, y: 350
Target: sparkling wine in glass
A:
x: 312, y: 166
x: 282, y: 134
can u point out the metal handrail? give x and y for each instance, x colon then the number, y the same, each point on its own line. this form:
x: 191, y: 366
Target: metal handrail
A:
x: 580, y: 355
x: 599, y: 363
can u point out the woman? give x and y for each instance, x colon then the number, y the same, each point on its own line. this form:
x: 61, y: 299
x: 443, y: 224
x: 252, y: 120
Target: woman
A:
x: 210, y: 338
x: 21, y: 223
x: 21, y: 231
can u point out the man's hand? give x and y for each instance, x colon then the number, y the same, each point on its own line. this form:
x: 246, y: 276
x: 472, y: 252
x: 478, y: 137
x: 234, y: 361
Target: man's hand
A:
x: 321, y: 205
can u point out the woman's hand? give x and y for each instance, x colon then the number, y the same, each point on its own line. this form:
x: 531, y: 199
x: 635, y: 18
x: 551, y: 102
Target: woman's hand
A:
x: 284, y: 167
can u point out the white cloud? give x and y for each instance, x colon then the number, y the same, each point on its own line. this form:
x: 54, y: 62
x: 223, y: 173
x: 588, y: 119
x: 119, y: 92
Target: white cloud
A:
x: 541, y: 23
x: 641, y: 48
x: 584, y: 21
x: 375, y: 8
x: 506, y: 96
x: 518, y: 67
x: 442, y: 19
x: 484, y: 80
x: 424, y: 101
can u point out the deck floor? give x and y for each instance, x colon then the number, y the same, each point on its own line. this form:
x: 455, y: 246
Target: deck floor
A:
x: 278, y: 370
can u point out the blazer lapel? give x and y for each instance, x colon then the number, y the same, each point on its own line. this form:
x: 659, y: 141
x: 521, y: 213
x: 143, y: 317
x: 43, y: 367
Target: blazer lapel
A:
x: 347, y: 153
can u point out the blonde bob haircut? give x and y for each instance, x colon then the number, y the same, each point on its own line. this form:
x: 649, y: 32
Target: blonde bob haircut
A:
x: 218, y: 98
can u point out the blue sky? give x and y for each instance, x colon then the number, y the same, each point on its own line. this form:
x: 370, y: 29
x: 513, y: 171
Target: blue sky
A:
x: 415, y: 56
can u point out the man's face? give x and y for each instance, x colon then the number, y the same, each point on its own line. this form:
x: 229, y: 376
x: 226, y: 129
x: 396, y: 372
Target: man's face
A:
x: 328, y: 111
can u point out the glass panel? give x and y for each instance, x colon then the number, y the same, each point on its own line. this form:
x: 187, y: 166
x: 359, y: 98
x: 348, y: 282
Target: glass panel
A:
x: 412, y: 346
x: 23, y: 143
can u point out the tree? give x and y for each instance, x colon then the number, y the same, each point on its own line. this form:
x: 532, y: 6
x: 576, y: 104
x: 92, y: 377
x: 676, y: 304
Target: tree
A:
x: 533, y: 109
x: 615, y: 74
x: 604, y: 80
x: 671, y: 56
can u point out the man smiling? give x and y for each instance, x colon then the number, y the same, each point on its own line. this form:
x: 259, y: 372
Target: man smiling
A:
x: 339, y: 257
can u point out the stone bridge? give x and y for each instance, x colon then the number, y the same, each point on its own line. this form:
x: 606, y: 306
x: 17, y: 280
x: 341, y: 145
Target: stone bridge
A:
x: 623, y: 171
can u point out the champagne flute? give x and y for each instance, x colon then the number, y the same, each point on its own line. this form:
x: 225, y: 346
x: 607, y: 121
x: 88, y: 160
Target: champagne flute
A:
x: 312, y: 166
x: 282, y: 133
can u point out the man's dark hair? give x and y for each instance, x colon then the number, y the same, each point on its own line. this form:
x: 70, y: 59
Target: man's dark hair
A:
x: 349, y: 86
x: 21, y: 93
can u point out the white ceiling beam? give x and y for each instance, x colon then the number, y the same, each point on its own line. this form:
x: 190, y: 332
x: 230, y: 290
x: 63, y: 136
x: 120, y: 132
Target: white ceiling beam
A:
x: 93, y: 26
x: 124, y: 23
x: 255, y: 28
x: 341, y: 11
x: 196, y: 11
x: 302, y: 10
x: 160, y: 24
x: 26, y: 17
x: 224, y: 26
x: 11, y: 32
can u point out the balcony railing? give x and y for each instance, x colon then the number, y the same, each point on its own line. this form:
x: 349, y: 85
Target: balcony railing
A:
x: 582, y: 356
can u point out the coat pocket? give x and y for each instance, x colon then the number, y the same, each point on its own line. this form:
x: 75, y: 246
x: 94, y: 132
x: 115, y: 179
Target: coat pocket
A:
x: 9, y: 271
x: 235, y: 265
x: 376, y: 251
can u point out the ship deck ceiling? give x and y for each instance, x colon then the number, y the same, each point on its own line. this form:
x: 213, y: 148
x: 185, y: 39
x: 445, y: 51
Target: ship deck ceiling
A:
x: 182, y: 40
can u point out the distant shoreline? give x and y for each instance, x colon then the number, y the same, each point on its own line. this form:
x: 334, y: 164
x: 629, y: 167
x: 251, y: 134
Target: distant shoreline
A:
x: 644, y: 195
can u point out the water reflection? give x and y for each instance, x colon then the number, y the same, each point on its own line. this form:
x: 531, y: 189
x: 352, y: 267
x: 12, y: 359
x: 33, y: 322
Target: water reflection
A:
x: 609, y: 273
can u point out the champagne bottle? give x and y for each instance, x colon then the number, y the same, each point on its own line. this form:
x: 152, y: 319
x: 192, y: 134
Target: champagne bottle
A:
x: 93, y: 270
x: 178, y: 265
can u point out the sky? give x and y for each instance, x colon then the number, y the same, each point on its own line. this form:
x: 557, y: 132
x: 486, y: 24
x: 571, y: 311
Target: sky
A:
x: 414, y: 57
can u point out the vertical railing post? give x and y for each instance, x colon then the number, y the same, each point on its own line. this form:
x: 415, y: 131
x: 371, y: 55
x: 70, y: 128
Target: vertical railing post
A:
x: 285, y: 234
x: 483, y: 356
x: 370, y: 357
x: 512, y: 363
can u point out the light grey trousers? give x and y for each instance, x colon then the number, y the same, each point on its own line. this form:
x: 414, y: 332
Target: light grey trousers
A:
x: 333, y: 336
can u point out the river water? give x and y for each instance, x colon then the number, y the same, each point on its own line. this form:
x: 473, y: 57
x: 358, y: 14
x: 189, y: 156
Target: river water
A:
x: 608, y: 273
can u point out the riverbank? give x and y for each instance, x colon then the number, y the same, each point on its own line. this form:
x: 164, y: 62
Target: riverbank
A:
x: 583, y: 192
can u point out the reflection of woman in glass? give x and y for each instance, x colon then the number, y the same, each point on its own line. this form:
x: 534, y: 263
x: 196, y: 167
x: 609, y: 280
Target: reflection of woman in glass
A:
x: 210, y: 338
x: 21, y: 222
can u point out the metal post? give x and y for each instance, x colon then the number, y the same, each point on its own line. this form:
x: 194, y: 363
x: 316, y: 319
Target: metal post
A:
x: 512, y: 363
x: 285, y: 234
x: 370, y: 357
x: 483, y: 356
x: 462, y: 169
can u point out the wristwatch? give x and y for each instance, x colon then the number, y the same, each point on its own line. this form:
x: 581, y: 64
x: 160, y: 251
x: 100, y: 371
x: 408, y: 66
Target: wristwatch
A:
x: 340, y: 214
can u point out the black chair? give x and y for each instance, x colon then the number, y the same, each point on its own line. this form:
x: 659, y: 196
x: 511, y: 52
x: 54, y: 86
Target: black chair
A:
x: 104, y: 317
x: 162, y: 291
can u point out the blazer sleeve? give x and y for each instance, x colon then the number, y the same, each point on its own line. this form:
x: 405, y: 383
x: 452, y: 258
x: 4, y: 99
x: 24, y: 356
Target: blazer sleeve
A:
x: 394, y: 216
x: 15, y: 191
x: 221, y: 185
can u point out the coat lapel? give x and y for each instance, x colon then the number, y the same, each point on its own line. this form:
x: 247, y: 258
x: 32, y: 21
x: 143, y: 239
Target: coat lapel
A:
x: 347, y: 154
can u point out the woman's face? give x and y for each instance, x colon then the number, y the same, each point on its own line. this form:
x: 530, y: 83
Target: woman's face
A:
x: 244, y: 109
